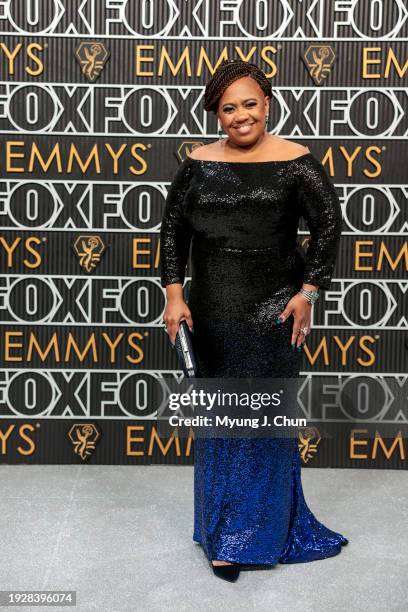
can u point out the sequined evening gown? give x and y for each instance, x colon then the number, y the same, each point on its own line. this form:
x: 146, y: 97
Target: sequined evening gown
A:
x: 241, y: 220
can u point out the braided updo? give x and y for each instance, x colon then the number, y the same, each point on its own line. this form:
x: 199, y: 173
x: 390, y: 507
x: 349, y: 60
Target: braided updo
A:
x: 228, y: 72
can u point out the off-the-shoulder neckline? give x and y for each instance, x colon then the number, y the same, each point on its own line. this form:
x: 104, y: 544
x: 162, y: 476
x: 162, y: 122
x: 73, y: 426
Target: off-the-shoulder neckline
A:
x: 269, y: 161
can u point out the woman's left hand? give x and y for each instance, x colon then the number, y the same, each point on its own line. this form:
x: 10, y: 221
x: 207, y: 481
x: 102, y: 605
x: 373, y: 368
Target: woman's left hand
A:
x: 301, y: 309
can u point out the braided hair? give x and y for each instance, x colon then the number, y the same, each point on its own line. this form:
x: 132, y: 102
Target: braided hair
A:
x: 228, y: 72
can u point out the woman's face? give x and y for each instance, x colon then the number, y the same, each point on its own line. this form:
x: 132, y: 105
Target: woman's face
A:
x: 242, y: 111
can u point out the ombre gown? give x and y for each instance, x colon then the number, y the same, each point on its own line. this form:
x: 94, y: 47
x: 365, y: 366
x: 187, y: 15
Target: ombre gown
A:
x: 241, y: 220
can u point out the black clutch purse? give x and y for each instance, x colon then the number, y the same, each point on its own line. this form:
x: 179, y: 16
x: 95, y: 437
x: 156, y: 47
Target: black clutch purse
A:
x: 184, y: 347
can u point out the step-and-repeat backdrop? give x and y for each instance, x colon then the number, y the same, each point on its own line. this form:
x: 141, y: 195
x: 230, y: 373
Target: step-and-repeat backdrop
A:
x: 100, y: 100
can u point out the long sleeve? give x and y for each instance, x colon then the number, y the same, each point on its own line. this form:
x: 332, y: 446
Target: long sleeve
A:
x: 175, y: 232
x: 320, y: 207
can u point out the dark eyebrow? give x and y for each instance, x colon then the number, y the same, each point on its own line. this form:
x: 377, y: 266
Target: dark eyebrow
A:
x: 247, y: 100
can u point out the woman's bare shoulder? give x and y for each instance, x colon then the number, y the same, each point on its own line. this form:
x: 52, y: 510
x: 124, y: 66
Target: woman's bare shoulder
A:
x: 205, y: 152
x: 286, y: 148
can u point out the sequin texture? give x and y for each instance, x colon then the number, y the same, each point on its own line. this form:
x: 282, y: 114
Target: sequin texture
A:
x: 241, y: 220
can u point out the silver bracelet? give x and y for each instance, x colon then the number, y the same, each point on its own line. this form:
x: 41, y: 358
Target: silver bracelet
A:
x: 311, y: 296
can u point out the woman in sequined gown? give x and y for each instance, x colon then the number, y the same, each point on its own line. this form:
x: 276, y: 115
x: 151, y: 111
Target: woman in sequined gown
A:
x: 240, y: 211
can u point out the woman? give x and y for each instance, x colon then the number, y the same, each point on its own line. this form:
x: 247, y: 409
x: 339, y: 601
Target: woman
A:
x: 239, y: 201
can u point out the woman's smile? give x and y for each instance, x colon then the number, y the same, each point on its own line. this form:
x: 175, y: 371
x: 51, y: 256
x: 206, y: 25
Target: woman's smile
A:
x: 244, y: 128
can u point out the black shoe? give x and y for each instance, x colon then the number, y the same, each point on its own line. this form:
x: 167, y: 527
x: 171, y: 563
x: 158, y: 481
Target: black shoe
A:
x: 226, y: 572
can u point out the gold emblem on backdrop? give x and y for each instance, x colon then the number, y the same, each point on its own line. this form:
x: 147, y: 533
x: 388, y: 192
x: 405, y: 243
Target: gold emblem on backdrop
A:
x: 83, y: 437
x: 92, y: 57
x: 309, y: 439
x: 186, y: 147
x: 89, y: 250
x: 319, y: 60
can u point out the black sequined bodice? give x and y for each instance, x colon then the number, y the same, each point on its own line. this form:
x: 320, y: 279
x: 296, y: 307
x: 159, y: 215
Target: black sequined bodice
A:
x: 250, y: 207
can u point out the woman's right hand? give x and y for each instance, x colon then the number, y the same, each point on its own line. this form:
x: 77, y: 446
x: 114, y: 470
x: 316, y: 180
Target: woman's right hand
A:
x: 176, y: 310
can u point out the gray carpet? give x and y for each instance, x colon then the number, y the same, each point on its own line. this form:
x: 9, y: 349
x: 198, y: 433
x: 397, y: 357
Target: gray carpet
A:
x: 122, y: 538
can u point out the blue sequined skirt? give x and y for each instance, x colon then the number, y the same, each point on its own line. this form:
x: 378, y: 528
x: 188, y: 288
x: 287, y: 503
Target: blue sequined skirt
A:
x: 249, y: 506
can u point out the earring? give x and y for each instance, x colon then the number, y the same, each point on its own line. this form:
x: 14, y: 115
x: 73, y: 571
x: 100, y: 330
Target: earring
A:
x: 266, y: 122
x: 220, y: 131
